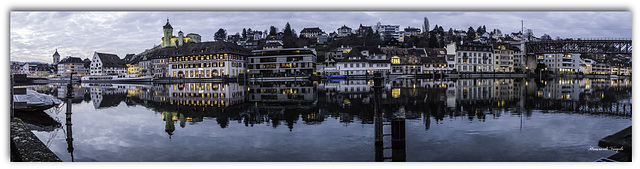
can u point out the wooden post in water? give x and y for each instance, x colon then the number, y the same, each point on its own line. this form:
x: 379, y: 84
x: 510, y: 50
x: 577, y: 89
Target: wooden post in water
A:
x: 377, y: 87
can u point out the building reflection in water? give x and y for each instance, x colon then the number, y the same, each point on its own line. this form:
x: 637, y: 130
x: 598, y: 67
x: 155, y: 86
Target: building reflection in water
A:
x: 354, y: 101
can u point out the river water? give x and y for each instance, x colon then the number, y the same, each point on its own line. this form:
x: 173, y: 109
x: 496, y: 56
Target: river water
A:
x: 444, y: 120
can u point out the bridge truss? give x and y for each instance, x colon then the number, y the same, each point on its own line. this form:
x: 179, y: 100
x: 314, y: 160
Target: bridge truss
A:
x: 603, y: 46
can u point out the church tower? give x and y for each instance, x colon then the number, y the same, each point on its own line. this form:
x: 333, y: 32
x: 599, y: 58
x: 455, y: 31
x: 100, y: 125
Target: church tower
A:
x: 168, y: 33
x: 56, y: 57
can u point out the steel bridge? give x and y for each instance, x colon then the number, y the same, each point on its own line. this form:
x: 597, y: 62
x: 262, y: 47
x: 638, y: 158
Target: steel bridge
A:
x: 601, y: 46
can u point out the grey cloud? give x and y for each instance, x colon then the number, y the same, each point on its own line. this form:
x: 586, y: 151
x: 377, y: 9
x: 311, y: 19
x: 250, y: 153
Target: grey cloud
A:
x: 35, y: 35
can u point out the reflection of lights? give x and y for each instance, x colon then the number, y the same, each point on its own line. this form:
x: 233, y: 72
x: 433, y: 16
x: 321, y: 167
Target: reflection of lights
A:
x: 395, y: 93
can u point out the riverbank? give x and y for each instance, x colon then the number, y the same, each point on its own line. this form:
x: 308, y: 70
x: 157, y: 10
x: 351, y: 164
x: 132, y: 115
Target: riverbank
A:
x: 26, y: 147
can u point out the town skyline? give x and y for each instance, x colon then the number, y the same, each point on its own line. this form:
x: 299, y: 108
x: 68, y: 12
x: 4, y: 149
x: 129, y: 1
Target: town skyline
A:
x: 73, y: 33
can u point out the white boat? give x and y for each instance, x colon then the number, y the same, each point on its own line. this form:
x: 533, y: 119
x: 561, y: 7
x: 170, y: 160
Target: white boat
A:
x: 117, y: 78
x: 34, y: 101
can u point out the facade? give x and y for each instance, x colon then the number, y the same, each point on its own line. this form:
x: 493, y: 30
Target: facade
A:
x: 310, y: 32
x: 567, y: 63
x: 363, y: 61
x: 474, y: 59
x: 157, y: 61
x: 282, y: 62
x: 451, y: 57
x: 75, y: 65
x: 405, y: 60
x: 322, y: 39
x: 409, y: 31
x: 435, y: 62
x: 344, y: 31
x: 107, y: 64
x: 504, y: 58
x: 390, y: 31
x: 207, y: 60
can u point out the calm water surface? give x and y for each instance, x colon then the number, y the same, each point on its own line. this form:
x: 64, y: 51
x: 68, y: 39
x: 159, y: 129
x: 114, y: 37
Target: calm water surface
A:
x: 445, y: 120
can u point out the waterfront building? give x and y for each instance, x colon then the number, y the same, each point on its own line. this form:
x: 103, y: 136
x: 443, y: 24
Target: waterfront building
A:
x: 34, y: 69
x: 107, y: 64
x: 156, y: 63
x: 474, y: 59
x: 586, y: 66
x: 363, y: 61
x: 563, y: 63
x: 451, y: 57
x: 601, y: 68
x: 404, y: 60
x: 504, y: 57
x: 310, y: 32
x: 344, y: 31
x: 75, y: 65
x: 435, y: 62
x: 207, y: 60
x: 331, y: 58
x: 282, y: 62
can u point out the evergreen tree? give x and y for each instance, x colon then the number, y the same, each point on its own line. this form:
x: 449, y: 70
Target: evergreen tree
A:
x: 273, y: 31
x: 471, y: 35
x: 244, y: 33
x: 220, y: 35
x: 287, y: 30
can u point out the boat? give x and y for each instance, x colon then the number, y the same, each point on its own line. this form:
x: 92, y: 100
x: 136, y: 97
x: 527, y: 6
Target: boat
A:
x: 116, y: 78
x: 613, y: 77
x: 34, y: 101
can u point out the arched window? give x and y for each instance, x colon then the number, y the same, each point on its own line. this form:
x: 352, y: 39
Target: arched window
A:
x: 395, y: 60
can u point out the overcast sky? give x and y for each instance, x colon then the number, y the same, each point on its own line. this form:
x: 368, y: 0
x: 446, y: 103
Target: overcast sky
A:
x: 34, y: 36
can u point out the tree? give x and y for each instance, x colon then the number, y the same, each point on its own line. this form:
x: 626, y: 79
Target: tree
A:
x: 287, y: 30
x: 471, y: 35
x: 545, y: 37
x: 528, y: 34
x: 244, y: 33
x: 220, y: 35
x: 273, y: 31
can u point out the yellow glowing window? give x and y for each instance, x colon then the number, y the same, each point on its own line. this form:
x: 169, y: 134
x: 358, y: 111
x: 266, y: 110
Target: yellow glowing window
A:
x: 395, y: 93
x: 395, y: 60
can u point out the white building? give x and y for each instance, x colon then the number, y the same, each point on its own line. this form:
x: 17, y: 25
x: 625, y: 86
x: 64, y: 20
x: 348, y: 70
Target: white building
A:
x: 474, y: 59
x: 107, y: 64
x: 363, y: 61
x: 561, y: 63
x: 282, y: 62
x: 344, y: 31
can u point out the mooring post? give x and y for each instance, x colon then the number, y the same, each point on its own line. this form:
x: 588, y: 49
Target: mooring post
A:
x: 377, y: 87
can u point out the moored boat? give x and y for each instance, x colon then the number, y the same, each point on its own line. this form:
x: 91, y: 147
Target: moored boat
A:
x: 34, y: 101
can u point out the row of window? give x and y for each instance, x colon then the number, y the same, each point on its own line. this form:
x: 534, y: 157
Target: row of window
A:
x: 346, y: 65
x: 204, y: 65
x: 206, y: 57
